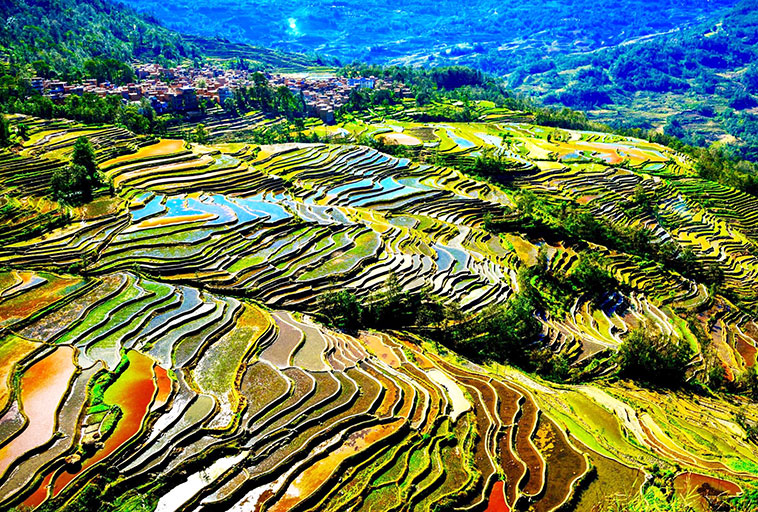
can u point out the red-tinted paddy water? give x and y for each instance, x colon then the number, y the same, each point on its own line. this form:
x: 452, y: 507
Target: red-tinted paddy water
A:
x: 314, y: 476
x: 164, y: 386
x: 43, y: 386
x: 133, y: 392
x: 497, y: 499
x: 695, y: 487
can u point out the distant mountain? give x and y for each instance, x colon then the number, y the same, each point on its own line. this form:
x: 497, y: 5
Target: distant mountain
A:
x: 679, y: 66
x: 221, y: 48
x: 699, y: 84
x: 57, y: 37
x: 440, y: 32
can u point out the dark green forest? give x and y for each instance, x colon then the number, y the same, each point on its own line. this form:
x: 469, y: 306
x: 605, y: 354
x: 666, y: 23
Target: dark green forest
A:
x: 57, y: 37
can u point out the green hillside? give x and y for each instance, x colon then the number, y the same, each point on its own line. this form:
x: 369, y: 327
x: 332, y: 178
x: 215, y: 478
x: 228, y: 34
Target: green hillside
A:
x: 58, y: 36
x: 699, y: 84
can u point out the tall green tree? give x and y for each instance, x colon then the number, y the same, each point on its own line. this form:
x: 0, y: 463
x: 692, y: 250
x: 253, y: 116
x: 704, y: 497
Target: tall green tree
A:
x: 75, y: 183
x: 5, y: 131
x: 71, y: 185
x: 84, y: 156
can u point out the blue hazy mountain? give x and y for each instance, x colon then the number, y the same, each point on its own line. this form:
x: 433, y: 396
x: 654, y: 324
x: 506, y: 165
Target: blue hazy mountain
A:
x: 421, y: 31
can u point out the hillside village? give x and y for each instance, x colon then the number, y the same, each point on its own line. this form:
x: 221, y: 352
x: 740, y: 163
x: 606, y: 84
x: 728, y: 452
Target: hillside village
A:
x: 189, y: 90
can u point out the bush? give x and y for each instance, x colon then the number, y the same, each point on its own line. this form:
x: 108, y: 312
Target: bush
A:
x: 72, y: 185
x: 508, y: 331
x: 653, y: 358
x: 590, y: 277
x: 342, y: 309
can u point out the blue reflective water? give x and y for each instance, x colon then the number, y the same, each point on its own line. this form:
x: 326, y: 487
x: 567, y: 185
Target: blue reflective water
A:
x: 255, y: 204
x: 444, y: 258
x: 463, y: 143
x: 151, y: 208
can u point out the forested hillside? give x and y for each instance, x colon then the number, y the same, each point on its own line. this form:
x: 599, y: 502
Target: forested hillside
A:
x: 682, y: 67
x: 443, y: 33
x: 700, y: 83
x: 57, y: 36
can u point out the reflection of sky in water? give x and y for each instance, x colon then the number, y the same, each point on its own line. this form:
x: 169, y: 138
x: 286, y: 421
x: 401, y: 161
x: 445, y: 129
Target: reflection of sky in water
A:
x: 448, y: 257
x: 681, y: 207
x: 208, y: 205
x: 492, y: 140
x: 463, y: 143
x: 575, y: 155
x: 177, y: 207
x: 366, y: 182
x: 612, y: 303
x: 243, y: 214
x: 255, y: 204
x: 190, y: 299
x: 151, y: 208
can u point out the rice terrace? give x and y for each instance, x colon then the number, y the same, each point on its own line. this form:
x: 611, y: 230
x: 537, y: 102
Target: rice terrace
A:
x: 401, y: 301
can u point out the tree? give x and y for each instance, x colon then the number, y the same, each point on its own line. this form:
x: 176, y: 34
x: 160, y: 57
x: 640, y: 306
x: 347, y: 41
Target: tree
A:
x: 507, y: 331
x: 74, y: 183
x: 230, y: 106
x: 22, y: 131
x: 748, y: 382
x: 5, y: 131
x: 71, y: 184
x: 84, y: 156
x: 392, y: 308
x: 589, y: 275
x: 201, y: 135
x: 653, y: 358
x: 343, y: 310
x: 111, y: 70
x: 750, y: 78
x: 640, y: 197
x: 131, y: 118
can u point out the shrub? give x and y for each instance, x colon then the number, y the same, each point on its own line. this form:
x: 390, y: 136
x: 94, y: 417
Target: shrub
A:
x: 590, y: 277
x: 71, y: 184
x: 653, y: 358
x: 342, y: 309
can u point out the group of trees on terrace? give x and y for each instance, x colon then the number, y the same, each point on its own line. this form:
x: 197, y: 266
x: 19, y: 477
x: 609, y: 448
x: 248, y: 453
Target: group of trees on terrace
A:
x: 508, y: 332
x: 75, y: 183
x: 511, y: 332
x: 362, y: 98
x: 650, y: 357
x: 569, y: 221
x: 275, y: 101
x: 391, y: 308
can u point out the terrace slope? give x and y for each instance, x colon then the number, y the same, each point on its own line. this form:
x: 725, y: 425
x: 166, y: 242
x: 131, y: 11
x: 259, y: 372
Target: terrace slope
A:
x: 190, y: 375
x: 201, y: 402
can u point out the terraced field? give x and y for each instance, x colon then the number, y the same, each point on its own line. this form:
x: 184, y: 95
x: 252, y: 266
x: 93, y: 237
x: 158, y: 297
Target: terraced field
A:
x: 159, y: 346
